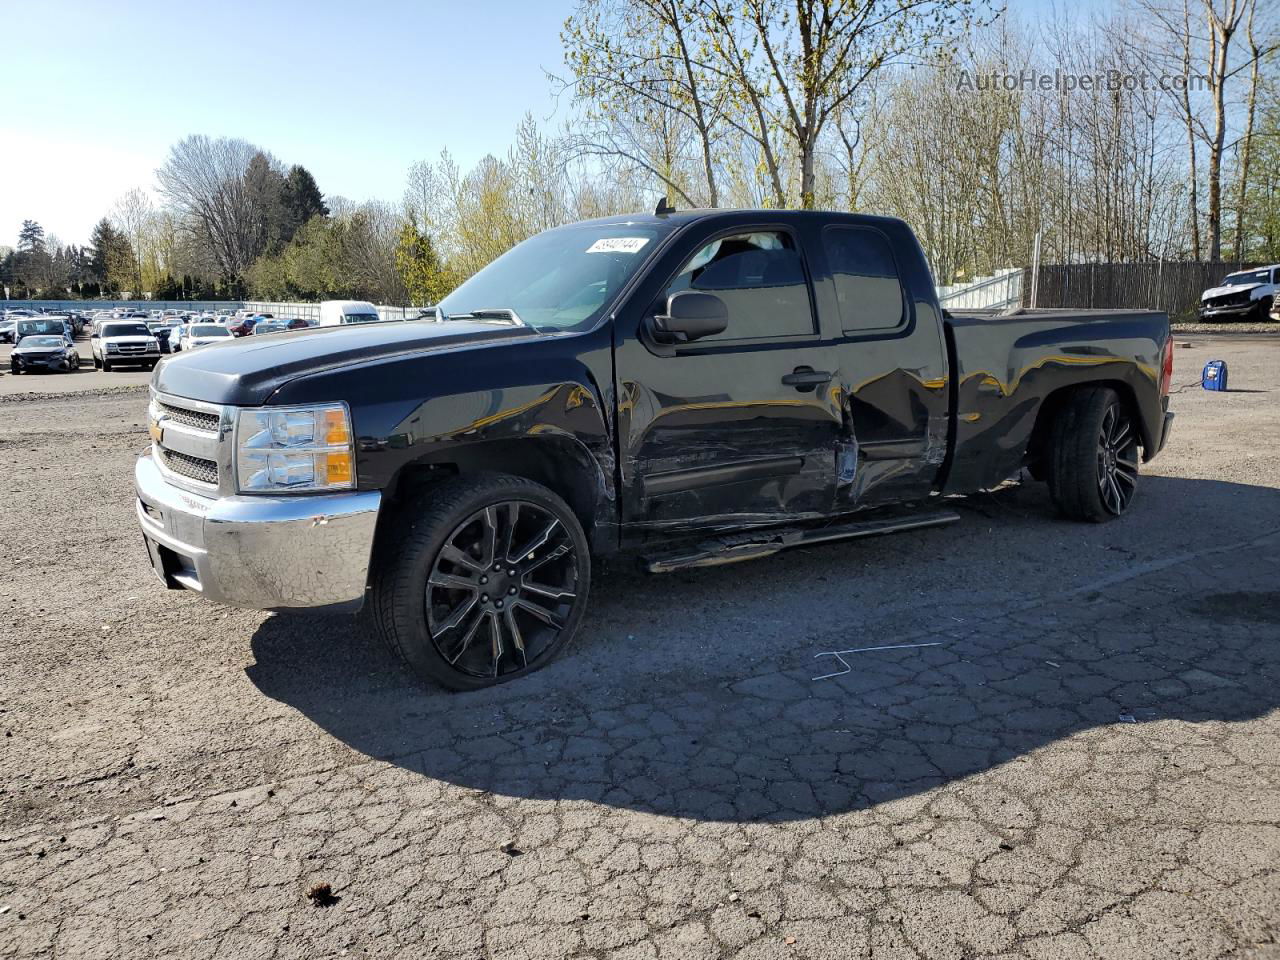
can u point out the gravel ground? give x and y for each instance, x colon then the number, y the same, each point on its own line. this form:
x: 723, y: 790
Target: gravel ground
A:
x: 1084, y: 762
x: 1218, y: 329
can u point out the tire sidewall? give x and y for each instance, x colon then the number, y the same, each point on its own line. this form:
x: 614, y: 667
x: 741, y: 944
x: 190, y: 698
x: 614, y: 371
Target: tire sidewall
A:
x: 1074, y: 483
x: 416, y: 553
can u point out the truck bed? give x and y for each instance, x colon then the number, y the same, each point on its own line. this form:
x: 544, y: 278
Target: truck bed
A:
x: 1007, y: 368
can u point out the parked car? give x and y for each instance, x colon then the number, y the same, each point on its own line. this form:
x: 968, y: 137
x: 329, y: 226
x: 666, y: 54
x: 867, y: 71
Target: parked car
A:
x: 124, y: 342
x: 44, y: 353
x: 244, y: 326
x: 336, y: 313
x: 270, y: 326
x: 44, y: 325
x: 195, y: 335
x: 8, y: 327
x: 1247, y: 295
x: 298, y: 323
x: 162, y: 332
x: 699, y: 388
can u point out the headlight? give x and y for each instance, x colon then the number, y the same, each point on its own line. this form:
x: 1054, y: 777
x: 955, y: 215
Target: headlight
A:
x: 113, y: 347
x: 294, y: 448
x: 153, y: 344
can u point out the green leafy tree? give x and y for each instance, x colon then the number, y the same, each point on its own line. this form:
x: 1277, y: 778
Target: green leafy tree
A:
x: 425, y: 277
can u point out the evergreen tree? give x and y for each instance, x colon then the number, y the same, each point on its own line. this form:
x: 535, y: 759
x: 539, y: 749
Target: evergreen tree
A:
x: 301, y: 200
x: 31, y: 237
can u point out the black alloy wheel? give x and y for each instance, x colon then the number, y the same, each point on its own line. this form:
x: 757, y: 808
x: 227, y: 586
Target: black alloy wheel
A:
x: 1092, y: 463
x: 1117, y: 460
x: 480, y: 579
x: 501, y: 589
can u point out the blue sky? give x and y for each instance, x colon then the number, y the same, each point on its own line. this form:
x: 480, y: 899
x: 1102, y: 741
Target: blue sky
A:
x: 95, y: 92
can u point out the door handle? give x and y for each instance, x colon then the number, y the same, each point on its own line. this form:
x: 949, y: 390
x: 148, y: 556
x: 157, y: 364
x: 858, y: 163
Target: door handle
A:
x: 806, y: 378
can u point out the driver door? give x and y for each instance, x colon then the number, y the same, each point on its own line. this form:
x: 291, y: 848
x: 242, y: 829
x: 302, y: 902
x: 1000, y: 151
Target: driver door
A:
x: 738, y: 427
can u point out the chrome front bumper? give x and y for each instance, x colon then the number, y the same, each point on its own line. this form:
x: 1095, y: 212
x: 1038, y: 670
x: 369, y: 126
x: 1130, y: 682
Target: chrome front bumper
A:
x: 266, y: 553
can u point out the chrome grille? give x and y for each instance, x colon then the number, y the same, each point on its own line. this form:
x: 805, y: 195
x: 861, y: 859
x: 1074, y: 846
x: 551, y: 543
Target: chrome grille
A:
x: 193, y: 468
x: 187, y: 442
x: 199, y: 419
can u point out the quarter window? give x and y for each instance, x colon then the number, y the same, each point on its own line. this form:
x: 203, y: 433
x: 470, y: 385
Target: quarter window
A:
x: 761, y: 280
x: 866, y: 278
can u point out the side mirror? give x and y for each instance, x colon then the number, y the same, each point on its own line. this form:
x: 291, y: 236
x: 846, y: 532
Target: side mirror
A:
x: 690, y: 316
x: 93, y: 336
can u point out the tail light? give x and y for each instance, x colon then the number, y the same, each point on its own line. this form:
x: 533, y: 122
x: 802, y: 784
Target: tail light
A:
x: 1166, y: 373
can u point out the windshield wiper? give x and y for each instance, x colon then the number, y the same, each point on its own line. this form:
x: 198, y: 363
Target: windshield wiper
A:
x: 490, y: 313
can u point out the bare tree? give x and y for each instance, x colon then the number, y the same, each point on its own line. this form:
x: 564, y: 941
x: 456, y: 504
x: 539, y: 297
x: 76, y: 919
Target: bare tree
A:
x: 132, y: 216
x: 794, y: 65
x: 647, y: 96
x: 204, y: 179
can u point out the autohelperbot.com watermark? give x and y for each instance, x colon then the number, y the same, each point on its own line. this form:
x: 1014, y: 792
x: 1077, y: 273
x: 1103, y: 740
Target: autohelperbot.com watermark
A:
x: 1067, y: 81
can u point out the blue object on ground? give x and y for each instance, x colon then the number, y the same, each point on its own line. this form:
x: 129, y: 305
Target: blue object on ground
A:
x: 1215, y: 375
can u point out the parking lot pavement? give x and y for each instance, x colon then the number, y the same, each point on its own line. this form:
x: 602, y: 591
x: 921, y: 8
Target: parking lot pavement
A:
x: 1085, y: 761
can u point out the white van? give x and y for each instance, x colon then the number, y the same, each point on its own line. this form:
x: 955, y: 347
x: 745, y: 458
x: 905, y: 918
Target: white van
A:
x: 334, y: 313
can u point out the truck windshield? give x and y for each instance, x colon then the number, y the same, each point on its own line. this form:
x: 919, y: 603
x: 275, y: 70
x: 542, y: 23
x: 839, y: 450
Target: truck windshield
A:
x: 561, y: 279
x: 125, y: 330
x: 1249, y: 276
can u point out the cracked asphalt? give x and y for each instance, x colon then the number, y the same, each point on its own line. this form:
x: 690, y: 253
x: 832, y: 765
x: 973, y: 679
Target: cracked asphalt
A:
x: 1084, y: 761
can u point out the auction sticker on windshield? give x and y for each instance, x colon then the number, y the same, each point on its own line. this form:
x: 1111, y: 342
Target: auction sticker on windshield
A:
x: 618, y: 245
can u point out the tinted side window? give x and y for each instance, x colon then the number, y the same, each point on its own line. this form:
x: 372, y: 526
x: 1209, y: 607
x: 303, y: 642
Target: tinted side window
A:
x: 866, y: 278
x: 760, y: 278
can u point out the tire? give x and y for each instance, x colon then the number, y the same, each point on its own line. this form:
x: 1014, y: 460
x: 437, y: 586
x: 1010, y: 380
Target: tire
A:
x: 106, y: 365
x: 440, y: 613
x: 1262, y: 312
x: 1093, y: 456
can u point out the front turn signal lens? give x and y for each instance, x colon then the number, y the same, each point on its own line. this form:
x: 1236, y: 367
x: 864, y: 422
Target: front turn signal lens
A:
x: 338, y: 472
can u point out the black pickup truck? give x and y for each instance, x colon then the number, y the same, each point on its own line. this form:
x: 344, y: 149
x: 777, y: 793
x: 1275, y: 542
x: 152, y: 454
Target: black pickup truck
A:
x: 694, y: 388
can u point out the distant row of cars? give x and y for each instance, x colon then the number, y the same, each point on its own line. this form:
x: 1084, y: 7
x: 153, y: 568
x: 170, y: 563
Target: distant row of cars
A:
x: 140, y: 338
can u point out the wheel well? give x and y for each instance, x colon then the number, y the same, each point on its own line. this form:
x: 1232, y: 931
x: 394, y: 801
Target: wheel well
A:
x: 562, y: 464
x: 1054, y: 402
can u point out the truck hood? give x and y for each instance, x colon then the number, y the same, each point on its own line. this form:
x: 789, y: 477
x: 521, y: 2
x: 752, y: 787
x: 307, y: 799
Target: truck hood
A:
x: 1223, y: 291
x: 245, y: 372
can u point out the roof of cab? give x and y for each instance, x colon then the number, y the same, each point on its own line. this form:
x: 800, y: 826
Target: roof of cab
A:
x: 683, y: 217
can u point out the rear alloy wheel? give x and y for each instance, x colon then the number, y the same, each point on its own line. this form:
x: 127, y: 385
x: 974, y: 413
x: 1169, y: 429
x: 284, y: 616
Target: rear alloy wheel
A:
x: 1095, y: 448
x: 486, y: 584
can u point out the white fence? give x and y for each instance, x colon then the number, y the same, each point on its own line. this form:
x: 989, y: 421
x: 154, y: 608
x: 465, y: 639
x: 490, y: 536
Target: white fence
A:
x: 999, y: 291
x: 311, y: 311
x: 308, y: 311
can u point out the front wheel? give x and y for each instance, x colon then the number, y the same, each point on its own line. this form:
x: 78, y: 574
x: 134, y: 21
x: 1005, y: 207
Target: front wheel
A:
x: 483, y: 580
x: 106, y: 366
x: 1093, y: 456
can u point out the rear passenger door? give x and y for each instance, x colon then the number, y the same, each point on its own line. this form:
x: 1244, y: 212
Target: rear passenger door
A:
x: 738, y: 427
x: 886, y: 339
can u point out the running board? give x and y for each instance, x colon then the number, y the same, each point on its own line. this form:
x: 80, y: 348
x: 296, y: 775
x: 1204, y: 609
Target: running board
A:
x: 734, y: 548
